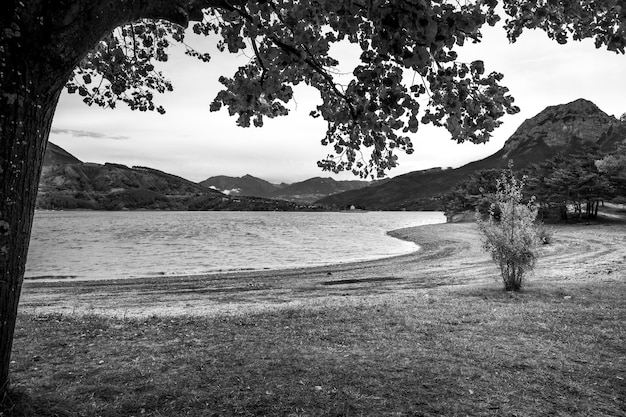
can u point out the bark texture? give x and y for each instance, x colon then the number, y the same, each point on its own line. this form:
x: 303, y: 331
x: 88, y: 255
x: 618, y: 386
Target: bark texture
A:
x: 41, y: 42
x: 25, y: 119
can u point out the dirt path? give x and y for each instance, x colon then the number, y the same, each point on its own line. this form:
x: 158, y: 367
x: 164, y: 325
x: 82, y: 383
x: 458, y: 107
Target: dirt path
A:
x: 451, y: 255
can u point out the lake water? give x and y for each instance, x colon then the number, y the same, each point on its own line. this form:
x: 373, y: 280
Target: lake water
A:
x: 103, y: 245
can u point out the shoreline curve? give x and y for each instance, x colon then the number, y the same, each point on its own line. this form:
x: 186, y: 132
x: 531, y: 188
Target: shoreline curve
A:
x: 450, y: 255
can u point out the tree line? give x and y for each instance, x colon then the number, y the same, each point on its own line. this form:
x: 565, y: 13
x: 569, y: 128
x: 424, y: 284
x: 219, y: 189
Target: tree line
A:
x: 568, y: 186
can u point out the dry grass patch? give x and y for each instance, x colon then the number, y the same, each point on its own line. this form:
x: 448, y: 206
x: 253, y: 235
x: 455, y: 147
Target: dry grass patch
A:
x: 468, y: 350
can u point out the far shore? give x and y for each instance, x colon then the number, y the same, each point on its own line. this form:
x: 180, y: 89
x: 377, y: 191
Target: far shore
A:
x: 451, y: 256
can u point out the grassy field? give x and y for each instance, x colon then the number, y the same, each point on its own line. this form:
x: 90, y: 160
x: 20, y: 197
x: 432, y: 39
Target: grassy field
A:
x: 389, y: 348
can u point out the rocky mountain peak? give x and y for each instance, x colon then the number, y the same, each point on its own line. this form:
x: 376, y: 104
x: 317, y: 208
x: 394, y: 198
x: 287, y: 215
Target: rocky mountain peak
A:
x: 558, y: 127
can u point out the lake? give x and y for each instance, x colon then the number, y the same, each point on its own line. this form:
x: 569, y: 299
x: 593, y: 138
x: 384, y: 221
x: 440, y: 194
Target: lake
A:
x: 105, y: 245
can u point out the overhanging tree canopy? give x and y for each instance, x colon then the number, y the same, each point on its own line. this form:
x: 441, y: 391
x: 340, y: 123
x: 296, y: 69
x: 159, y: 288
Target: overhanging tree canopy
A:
x: 371, y: 113
x: 407, y: 57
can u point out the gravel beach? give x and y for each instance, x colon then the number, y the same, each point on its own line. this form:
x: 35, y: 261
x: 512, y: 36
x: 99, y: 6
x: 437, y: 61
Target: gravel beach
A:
x: 450, y: 256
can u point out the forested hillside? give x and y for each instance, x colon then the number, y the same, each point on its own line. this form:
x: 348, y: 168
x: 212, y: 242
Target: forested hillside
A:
x: 68, y: 183
x: 558, y: 130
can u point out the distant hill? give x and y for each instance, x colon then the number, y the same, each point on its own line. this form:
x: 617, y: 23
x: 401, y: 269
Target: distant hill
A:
x: 304, y: 192
x: 68, y: 183
x: 56, y: 155
x: 242, y: 186
x: 561, y: 128
x: 313, y: 189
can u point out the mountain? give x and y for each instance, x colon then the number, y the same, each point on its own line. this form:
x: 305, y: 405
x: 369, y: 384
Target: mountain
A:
x: 556, y: 129
x: 68, y: 183
x: 111, y: 187
x: 313, y: 189
x: 305, y: 192
x: 56, y: 155
x: 243, y: 186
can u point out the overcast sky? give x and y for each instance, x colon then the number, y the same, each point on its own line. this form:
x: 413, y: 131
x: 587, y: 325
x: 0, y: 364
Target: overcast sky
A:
x: 194, y: 143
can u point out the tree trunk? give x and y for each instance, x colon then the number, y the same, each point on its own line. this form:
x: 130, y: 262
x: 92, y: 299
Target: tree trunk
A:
x: 563, y: 211
x: 27, y: 105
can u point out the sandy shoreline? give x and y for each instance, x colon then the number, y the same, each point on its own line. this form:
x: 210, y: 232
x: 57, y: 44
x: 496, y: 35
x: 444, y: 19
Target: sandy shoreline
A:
x: 450, y: 256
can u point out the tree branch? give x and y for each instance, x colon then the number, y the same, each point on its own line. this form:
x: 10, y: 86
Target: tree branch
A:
x: 309, y: 60
x: 258, y: 56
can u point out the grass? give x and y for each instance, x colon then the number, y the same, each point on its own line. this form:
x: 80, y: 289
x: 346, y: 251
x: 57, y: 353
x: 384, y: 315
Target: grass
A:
x: 454, y: 351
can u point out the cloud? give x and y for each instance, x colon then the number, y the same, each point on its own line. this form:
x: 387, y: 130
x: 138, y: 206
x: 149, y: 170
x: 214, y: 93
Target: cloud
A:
x: 86, y: 134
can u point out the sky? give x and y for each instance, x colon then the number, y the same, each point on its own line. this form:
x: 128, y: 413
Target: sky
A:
x: 194, y: 143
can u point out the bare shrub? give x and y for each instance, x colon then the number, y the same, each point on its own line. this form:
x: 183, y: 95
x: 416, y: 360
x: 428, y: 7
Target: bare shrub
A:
x: 513, y: 235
